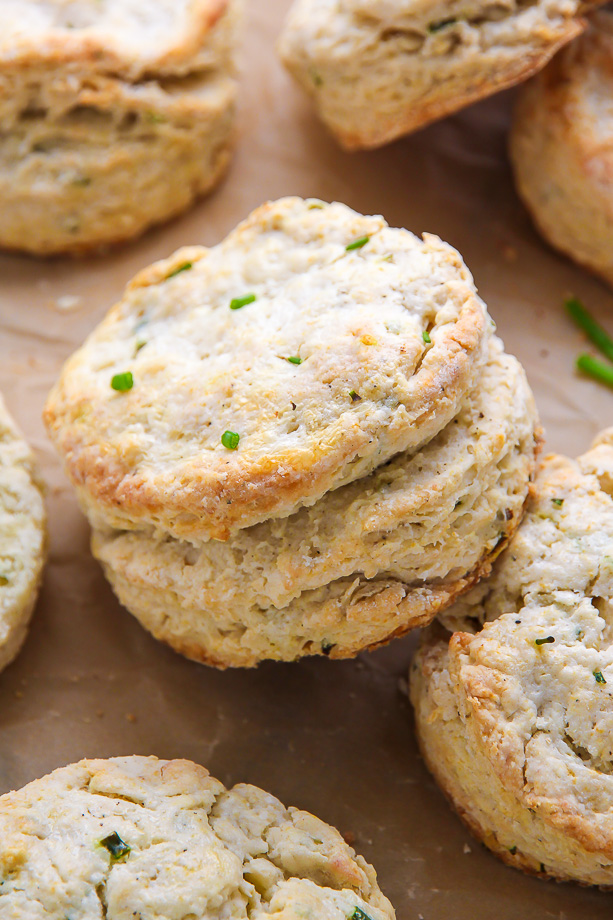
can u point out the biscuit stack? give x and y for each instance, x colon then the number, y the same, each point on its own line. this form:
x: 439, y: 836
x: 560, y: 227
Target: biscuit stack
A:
x: 305, y: 440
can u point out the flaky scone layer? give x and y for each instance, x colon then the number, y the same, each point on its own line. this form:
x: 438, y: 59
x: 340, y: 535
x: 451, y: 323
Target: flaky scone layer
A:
x: 369, y: 561
x: 321, y: 342
x: 22, y: 537
x: 161, y: 839
x: 378, y: 70
x: 515, y: 719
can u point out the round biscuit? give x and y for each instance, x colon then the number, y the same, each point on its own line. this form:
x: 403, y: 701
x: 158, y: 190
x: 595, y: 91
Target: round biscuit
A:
x: 318, y: 341
x: 515, y: 720
x: 161, y: 839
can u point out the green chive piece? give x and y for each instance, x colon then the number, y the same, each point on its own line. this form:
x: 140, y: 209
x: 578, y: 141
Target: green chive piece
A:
x: 118, y: 849
x: 184, y: 267
x: 512, y: 850
x: 354, y: 397
x: 294, y: 360
x: 81, y: 181
x: 237, y: 302
x: 558, y: 501
x: 123, y: 382
x: 357, y: 244
x: 155, y: 118
x: 437, y: 26
x: 596, y: 369
x: 326, y: 647
x: 594, y: 331
x: 230, y: 439
x: 545, y: 641
x: 359, y: 914
x: 139, y: 344
x: 426, y: 337
x: 600, y: 678
x: 316, y: 78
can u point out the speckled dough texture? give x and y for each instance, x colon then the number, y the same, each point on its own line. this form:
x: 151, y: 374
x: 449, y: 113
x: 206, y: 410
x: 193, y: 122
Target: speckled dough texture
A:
x: 350, y: 342
x: 378, y: 69
x: 138, y: 837
x: 367, y: 562
x: 562, y: 148
x: 113, y: 116
x: 22, y: 537
x: 515, y: 720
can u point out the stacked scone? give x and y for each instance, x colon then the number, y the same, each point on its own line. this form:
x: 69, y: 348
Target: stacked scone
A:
x: 305, y: 440
x: 22, y: 537
x: 514, y: 712
x: 113, y: 116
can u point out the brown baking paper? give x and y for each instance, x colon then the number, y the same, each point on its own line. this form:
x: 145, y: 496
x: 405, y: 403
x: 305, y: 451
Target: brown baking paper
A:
x: 333, y: 737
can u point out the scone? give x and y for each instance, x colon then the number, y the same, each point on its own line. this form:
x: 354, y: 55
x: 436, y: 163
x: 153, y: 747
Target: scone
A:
x: 378, y: 69
x: 562, y: 148
x: 367, y: 562
x: 236, y: 384
x: 22, y: 537
x: 138, y: 837
x: 113, y: 116
x: 515, y: 720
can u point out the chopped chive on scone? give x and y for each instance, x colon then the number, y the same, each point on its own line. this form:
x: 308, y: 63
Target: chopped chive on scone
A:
x: 114, y: 116
x: 376, y: 71
x: 138, y: 837
x: 305, y: 440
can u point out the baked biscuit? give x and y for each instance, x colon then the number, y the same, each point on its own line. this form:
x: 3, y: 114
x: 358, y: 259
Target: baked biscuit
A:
x: 22, y: 537
x: 515, y: 720
x: 367, y: 562
x: 378, y: 70
x: 306, y: 349
x: 161, y: 839
x: 113, y: 116
x: 562, y: 149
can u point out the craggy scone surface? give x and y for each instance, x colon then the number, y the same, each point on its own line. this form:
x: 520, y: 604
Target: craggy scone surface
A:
x: 385, y: 339
x: 516, y: 720
x: 22, y: 537
x: 369, y: 561
x: 130, y: 38
x: 138, y: 837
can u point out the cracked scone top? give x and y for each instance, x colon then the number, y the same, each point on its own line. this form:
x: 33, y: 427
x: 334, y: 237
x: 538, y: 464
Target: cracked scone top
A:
x: 378, y: 69
x: 141, y: 837
x: 297, y: 355
x: 516, y: 720
x: 22, y: 537
x: 561, y: 148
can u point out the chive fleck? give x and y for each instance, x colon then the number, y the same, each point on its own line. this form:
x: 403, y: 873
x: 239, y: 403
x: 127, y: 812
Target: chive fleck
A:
x: 184, y: 267
x: 123, y: 382
x: 140, y: 343
x: 547, y: 640
x: 81, y: 181
x: 441, y: 24
x: 512, y: 850
x: 426, y: 337
x: 594, y: 331
x: 155, y: 118
x: 326, y: 647
x: 600, y: 678
x: 558, y: 501
x: 316, y: 78
x: 359, y: 914
x: 354, y: 397
x: 230, y: 439
x: 357, y: 244
x: 237, y: 302
x: 596, y: 369
x: 293, y: 359
x: 118, y: 849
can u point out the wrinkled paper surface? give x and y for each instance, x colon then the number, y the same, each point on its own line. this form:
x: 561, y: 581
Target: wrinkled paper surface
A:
x: 333, y: 737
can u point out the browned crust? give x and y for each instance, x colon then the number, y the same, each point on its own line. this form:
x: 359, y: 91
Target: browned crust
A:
x: 214, y: 500
x: 418, y: 607
x: 60, y: 48
x: 524, y: 67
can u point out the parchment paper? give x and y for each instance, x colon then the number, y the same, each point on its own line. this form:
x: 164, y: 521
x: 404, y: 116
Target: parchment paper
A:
x: 333, y: 737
